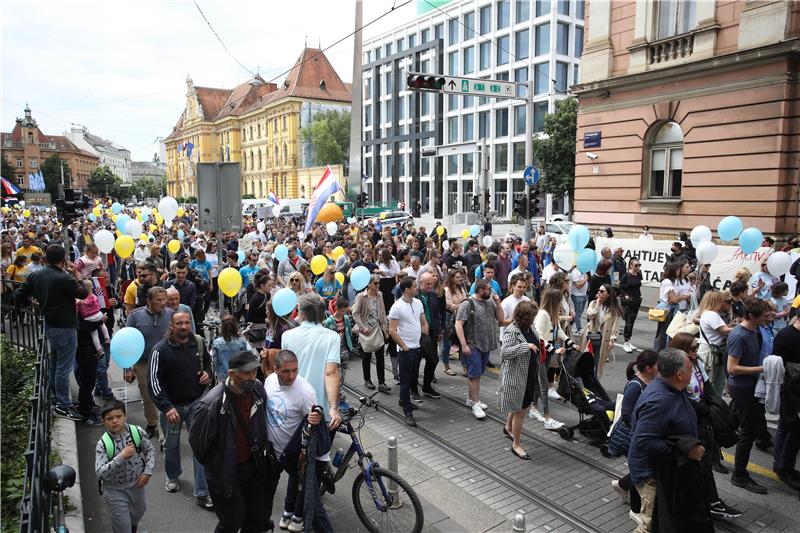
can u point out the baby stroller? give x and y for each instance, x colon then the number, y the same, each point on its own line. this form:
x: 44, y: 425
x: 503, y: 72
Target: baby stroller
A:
x: 579, y: 386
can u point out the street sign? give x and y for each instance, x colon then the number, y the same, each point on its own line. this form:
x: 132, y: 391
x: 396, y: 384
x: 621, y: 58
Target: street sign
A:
x: 463, y: 86
x: 592, y: 139
x: 531, y: 175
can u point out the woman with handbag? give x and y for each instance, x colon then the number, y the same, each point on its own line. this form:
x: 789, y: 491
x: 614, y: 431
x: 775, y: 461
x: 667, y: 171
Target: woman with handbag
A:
x: 604, y: 315
x: 671, y: 297
x: 455, y: 292
x: 713, y: 336
x: 369, y: 315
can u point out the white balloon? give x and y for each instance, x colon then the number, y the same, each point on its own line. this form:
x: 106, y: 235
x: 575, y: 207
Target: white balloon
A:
x: 445, y: 245
x: 706, y: 252
x: 104, y: 240
x: 487, y: 240
x: 168, y: 207
x: 779, y: 263
x: 700, y: 234
x: 331, y: 228
x: 260, y: 226
x: 564, y: 256
x: 133, y: 228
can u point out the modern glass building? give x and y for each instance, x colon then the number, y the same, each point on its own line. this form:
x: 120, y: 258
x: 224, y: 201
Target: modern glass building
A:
x: 491, y: 39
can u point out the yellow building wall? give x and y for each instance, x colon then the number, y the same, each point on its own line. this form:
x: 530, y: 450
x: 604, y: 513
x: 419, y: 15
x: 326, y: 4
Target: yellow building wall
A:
x: 307, y: 179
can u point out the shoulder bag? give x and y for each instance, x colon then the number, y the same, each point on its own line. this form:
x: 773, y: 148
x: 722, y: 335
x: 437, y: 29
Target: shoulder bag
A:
x: 372, y: 342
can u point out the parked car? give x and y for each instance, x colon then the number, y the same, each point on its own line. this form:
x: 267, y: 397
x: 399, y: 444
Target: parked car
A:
x: 391, y: 218
x: 559, y: 229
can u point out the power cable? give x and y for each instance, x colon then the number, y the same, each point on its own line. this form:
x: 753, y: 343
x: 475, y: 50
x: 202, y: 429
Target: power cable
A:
x: 220, y: 39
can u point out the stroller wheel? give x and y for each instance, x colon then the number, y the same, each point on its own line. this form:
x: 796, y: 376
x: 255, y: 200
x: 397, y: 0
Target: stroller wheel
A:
x: 565, y: 432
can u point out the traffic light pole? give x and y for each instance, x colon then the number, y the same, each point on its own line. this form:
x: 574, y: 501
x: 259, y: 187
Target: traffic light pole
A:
x: 484, y: 182
x: 528, y: 156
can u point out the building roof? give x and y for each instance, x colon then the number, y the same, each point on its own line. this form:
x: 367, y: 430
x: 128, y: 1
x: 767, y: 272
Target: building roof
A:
x: 97, y: 142
x: 62, y: 144
x: 145, y: 168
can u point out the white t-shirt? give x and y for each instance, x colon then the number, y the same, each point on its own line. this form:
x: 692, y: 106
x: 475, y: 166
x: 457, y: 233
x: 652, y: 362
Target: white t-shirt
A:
x: 390, y: 270
x: 683, y: 287
x: 513, y: 273
x: 549, y: 271
x: 575, y: 277
x: 709, y: 322
x: 510, y: 304
x: 286, y: 407
x: 408, y: 324
x: 667, y: 286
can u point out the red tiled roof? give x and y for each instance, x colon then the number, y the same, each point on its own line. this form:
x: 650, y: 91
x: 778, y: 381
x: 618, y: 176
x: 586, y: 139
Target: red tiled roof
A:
x: 62, y: 144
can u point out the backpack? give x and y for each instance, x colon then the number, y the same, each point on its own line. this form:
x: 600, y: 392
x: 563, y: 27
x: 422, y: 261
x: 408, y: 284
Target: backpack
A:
x: 794, y: 270
x: 108, y: 443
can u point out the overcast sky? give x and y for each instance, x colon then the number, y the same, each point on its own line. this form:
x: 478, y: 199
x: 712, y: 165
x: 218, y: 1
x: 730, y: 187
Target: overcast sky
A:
x: 119, y: 68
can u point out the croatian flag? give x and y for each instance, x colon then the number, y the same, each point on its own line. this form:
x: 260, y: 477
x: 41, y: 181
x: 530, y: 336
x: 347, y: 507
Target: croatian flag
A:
x: 99, y: 290
x: 327, y: 186
x: 272, y: 198
x: 9, y: 187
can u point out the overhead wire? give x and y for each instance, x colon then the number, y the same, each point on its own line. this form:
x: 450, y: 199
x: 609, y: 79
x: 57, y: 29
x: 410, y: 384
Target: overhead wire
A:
x: 220, y: 39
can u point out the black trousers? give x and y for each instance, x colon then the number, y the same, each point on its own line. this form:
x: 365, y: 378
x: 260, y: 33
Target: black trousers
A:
x: 379, y: 364
x: 631, y: 308
x: 249, y: 506
x: 85, y: 375
x: 431, y: 359
x: 752, y: 424
x: 408, y: 362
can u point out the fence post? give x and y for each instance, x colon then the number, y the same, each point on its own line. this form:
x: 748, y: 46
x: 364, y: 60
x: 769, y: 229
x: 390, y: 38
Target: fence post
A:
x: 391, y: 443
x: 518, y: 525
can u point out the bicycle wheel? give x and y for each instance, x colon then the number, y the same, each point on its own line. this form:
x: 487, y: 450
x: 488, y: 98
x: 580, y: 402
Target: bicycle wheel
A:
x: 400, y: 512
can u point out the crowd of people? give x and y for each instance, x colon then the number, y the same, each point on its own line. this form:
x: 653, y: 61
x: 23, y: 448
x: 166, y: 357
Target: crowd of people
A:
x: 246, y: 390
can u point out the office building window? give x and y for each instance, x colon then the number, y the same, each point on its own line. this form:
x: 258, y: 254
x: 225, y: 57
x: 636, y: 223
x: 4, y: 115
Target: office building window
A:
x: 562, y: 70
x: 469, y: 60
x: 452, y: 196
x: 542, y: 7
x: 501, y: 122
x: 401, y: 108
x: 438, y: 31
x: 502, y: 50
x: 523, y: 9
x: 467, y: 164
x: 401, y: 159
x: 425, y: 166
x: 467, y: 102
x: 502, y: 76
x: 518, y: 157
x: 367, y: 116
x: 665, y: 160
x: 425, y: 36
x: 452, y: 31
x: 501, y: 157
x: 486, y: 55
x: 521, y: 76
x: 452, y: 129
x: 578, y: 41
x: 452, y: 102
x: 485, y: 15
x: 468, y: 127
x: 542, y: 37
x: 563, y: 7
x: 452, y: 63
x: 580, y: 6
x: 452, y: 164
x: 412, y: 40
x: 483, y: 125
x: 522, y: 44
x: 388, y: 49
x: 575, y: 78
x: 503, y: 14
x: 469, y: 25
x: 399, y: 44
x: 674, y: 17
x: 539, y: 112
x: 425, y: 100
x: 519, y: 120
x: 541, y: 78
x: 367, y: 56
x: 562, y: 39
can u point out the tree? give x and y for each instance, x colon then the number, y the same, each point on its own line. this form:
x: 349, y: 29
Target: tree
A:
x: 329, y: 135
x: 148, y: 188
x: 7, y: 170
x: 51, y: 170
x: 101, y: 181
x: 556, y: 154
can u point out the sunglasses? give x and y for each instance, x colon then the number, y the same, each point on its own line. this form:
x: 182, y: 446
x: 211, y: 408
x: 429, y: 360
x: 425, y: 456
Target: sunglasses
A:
x: 636, y: 265
x: 601, y: 290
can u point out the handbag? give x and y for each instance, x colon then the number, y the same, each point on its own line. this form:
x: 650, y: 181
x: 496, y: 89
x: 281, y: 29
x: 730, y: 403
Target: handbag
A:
x: 656, y: 314
x: 372, y: 342
x: 680, y: 323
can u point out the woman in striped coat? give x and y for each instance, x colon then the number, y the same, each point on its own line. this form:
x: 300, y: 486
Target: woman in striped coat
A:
x: 518, y: 374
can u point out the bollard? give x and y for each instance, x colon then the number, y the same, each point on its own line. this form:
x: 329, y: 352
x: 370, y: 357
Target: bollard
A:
x: 518, y: 523
x: 392, y: 448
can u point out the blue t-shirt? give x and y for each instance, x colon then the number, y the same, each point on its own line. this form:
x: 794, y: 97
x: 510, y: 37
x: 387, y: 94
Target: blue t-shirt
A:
x: 247, y: 272
x: 495, y: 288
x: 327, y: 289
x: 743, y: 345
x: 203, y: 268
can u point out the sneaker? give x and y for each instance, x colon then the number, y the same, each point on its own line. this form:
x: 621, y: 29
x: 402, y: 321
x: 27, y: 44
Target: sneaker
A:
x: 470, y: 403
x: 633, y: 348
x: 477, y: 411
x: 552, y: 424
x: 384, y: 388
x: 622, y: 492
x: 67, y: 412
x: 415, y: 396
x: 204, y: 502
x: 92, y: 421
x: 553, y: 395
x: 151, y: 431
x: 534, y: 413
x: 296, y: 524
x: 636, y: 517
x: 627, y: 347
x: 396, y: 380
x: 719, y: 509
x: 368, y: 384
x: 172, y: 485
x: 748, y: 483
x: 430, y: 393
x: 286, y: 518
x: 410, y: 420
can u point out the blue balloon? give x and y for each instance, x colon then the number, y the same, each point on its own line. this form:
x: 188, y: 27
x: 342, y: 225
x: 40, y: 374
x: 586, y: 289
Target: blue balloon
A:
x: 92, y: 217
x: 181, y: 235
x: 750, y: 239
x: 284, y: 301
x: 586, y: 260
x: 281, y: 252
x: 474, y: 230
x: 121, y: 221
x: 240, y: 255
x: 116, y: 207
x: 144, y: 216
x: 360, y: 277
x: 127, y: 347
x: 394, y: 231
x: 729, y: 228
x: 578, y: 237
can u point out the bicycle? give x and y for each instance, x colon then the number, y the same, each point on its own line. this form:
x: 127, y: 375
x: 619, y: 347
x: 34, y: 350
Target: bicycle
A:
x: 396, y: 505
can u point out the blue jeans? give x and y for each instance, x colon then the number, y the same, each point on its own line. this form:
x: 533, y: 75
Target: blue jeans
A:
x: 101, y: 387
x: 444, y: 350
x: 172, y: 449
x: 580, y: 304
x: 63, y: 346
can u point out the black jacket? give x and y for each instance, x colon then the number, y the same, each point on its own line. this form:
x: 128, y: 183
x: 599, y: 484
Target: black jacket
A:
x: 55, y: 290
x: 174, y: 372
x: 213, y: 434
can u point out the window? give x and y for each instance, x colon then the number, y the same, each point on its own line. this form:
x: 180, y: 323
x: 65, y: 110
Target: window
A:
x: 469, y: 25
x: 562, y: 38
x: 412, y: 40
x: 401, y: 159
x: 502, y: 50
x: 377, y: 53
x: 425, y: 166
x: 469, y: 60
x: 523, y: 9
x: 575, y: 78
x: 539, y: 112
x: 518, y: 156
x: 285, y: 154
x: 501, y: 122
x: 580, y: 6
x: 20, y: 163
x: 367, y: 116
x: 541, y: 78
x: 542, y: 7
x: 32, y: 163
x: 452, y: 63
x: 452, y: 164
x: 483, y: 125
x: 502, y: 76
x: 260, y: 165
x: 501, y: 157
x: 468, y: 127
x: 578, y: 41
x: 401, y: 108
x: 425, y: 103
x: 467, y: 163
x: 486, y: 19
x: 275, y: 125
x: 399, y: 44
x: 388, y: 49
x: 452, y: 129
x: 425, y: 36
x: 666, y: 161
x: 521, y: 76
x: 277, y: 161
x: 675, y: 17
x: 438, y: 31
x: 542, y: 36
x: 452, y: 31
x: 561, y: 76
x: 522, y: 44
x: 486, y: 55
x: 503, y: 14
x: 367, y: 56
x: 563, y: 7
x: 285, y: 122
x: 467, y: 102
x: 519, y: 120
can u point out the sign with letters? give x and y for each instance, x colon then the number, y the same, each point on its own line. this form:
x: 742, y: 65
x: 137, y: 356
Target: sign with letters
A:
x: 592, y: 139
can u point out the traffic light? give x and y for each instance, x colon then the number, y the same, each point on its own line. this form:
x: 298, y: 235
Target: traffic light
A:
x: 476, y: 203
x: 424, y: 82
x: 534, y: 202
x: 72, y: 204
x: 520, y: 205
x: 361, y: 200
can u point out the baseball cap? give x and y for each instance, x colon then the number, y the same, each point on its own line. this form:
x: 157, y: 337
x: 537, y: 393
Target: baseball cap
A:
x: 244, y: 361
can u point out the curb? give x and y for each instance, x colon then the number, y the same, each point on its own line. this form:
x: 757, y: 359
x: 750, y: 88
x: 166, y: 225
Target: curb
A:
x: 65, y: 443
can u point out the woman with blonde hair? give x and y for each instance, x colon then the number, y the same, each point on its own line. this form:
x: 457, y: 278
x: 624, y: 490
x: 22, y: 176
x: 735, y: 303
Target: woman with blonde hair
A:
x: 714, y: 332
x: 297, y: 283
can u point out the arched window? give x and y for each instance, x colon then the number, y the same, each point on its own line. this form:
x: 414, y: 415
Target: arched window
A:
x: 285, y: 154
x: 665, y: 160
x: 259, y: 158
x: 252, y: 160
x: 277, y: 160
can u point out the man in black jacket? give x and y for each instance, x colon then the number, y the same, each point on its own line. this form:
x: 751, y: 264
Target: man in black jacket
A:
x: 56, y: 287
x: 231, y: 421
x: 180, y: 368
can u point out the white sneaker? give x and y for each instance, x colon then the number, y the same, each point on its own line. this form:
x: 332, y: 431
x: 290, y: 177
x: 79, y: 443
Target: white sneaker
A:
x: 619, y: 490
x: 534, y: 413
x: 552, y: 424
x: 635, y: 517
x: 477, y: 411
x: 286, y: 519
x: 172, y: 485
x: 553, y: 395
x: 634, y: 348
x: 296, y: 524
x: 470, y: 403
x: 627, y: 347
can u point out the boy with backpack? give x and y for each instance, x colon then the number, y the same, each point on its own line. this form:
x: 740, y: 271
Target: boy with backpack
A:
x: 124, y: 462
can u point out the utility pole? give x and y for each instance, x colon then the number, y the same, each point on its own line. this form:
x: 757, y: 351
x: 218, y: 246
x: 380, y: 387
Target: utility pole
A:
x: 528, y: 155
x: 354, y: 181
x: 484, y: 182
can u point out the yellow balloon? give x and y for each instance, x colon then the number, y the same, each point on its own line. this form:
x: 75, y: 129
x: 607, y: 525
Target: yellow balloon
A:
x: 136, y: 211
x: 26, y: 213
x: 173, y: 246
x: 318, y: 264
x: 340, y: 278
x: 337, y: 252
x: 230, y: 281
x: 97, y: 211
x: 139, y: 217
x: 465, y: 234
x: 113, y: 218
x: 110, y: 202
x: 159, y: 219
x: 109, y: 212
x: 383, y: 215
x: 180, y: 211
x: 143, y: 237
x: 118, y: 233
x: 440, y: 231
x: 124, y: 246
x: 152, y: 227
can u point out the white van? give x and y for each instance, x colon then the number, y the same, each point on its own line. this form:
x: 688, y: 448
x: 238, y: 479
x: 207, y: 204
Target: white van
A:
x: 294, y: 207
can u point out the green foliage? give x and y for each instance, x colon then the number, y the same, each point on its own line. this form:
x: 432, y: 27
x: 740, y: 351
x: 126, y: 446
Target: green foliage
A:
x: 556, y: 154
x: 248, y: 196
x: 7, y: 171
x: 180, y: 199
x: 191, y: 199
x: 17, y: 377
x: 101, y: 181
x: 329, y: 135
x: 148, y: 188
x: 51, y: 170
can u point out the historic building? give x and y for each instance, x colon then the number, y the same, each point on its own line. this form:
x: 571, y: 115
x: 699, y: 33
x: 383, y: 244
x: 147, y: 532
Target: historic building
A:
x: 26, y: 147
x: 111, y: 154
x: 258, y: 124
x: 146, y: 169
x: 691, y: 109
